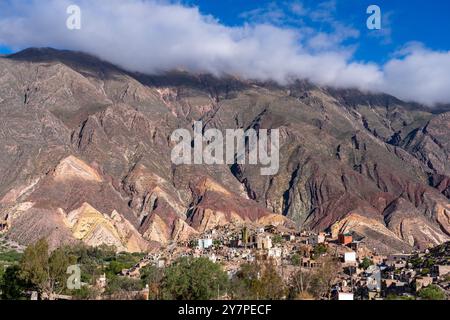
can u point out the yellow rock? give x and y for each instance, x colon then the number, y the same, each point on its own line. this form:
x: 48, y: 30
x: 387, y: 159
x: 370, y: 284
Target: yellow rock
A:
x: 94, y: 229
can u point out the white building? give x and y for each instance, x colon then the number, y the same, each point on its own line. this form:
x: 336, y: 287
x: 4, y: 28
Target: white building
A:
x: 275, y: 252
x: 161, y: 263
x: 350, y: 257
x: 345, y: 296
x: 204, y: 243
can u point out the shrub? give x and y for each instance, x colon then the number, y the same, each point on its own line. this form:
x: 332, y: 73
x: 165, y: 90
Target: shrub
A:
x: 432, y: 292
x: 193, y: 279
x: 366, y: 263
x: 295, y: 259
x: 119, y: 284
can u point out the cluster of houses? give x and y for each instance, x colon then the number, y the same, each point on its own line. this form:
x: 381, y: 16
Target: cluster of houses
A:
x: 387, y: 275
x: 232, y: 246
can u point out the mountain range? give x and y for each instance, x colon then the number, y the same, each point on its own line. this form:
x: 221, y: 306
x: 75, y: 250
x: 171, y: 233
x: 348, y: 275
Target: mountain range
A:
x: 85, y: 156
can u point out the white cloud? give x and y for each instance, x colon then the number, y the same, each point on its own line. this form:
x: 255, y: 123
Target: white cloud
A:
x: 151, y: 36
x: 420, y: 75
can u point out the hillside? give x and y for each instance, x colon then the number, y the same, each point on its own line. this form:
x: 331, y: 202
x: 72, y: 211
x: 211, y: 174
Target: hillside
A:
x: 85, y: 155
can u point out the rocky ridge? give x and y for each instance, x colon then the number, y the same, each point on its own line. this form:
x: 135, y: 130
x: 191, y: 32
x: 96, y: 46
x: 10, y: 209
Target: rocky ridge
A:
x: 85, y: 156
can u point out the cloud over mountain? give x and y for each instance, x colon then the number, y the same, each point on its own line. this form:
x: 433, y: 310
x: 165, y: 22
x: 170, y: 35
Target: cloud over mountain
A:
x: 152, y: 36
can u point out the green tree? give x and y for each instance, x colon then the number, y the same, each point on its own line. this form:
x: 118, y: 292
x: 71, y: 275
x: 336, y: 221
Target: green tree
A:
x: 194, y: 279
x: 296, y: 259
x: 153, y: 277
x: 319, y: 250
x: 425, y: 271
x: 416, y: 262
x: 46, y: 272
x: 277, y: 239
x: 245, y: 236
x: 34, y: 266
x: 217, y: 243
x: 118, y: 284
x: 10, y: 257
x: 432, y: 292
x: 92, y: 260
x: 12, y: 286
x: 58, y: 262
x: 366, y: 263
x: 85, y: 293
x: 122, y: 261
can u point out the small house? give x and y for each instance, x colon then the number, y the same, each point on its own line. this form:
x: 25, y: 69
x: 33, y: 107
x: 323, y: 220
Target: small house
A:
x: 315, y: 239
x: 263, y: 242
x: 350, y: 257
x: 345, y: 296
x: 345, y: 238
x: 204, y: 243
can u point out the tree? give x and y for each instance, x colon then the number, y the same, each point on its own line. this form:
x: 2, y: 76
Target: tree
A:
x: 244, y: 284
x: 58, y: 262
x: 323, y: 278
x: 432, y: 292
x: 12, y: 286
x: 152, y: 276
x: 366, y: 263
x: 319, y: 250
x: 258, y: 280
x: 425, y: 271
x: 118, y: 284
x: 271, y: 283
x: 277, y: 239
x: 92, y: 260
x: 301, y: 283
x: 122, y: 261
x: 245, y: 236
x: 86, y: 293
x: 194, y: 279
x: 296, y: 259
x: 46, y: 273
x: 34, y: 265
x: 217, y: 243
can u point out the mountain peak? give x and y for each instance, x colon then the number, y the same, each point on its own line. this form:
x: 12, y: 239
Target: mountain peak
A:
x: 74, y: 59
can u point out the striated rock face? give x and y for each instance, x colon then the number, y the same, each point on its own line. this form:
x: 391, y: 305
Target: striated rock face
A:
x: 431, y: 145
x: 85, y: 156
x: 375, y: 232
x: 95, y: 228
x: 73, y: 168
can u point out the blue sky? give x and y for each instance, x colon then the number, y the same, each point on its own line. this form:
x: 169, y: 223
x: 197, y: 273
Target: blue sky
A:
x: 324, y: 41
x: 427, y: 22
x: 424, y: 21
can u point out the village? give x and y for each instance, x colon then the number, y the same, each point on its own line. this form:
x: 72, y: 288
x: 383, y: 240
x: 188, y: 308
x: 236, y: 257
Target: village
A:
x: 342, y: 262
x: 362, y: 273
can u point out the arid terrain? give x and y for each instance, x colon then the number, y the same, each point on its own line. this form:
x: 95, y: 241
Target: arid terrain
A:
x: 85, y: 155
